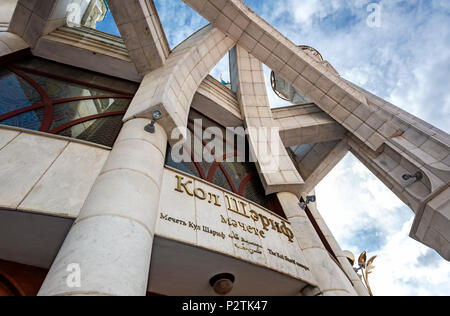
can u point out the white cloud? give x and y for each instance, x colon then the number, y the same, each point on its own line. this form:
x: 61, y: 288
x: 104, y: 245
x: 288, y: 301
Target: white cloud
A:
x: 364, y: 215
x: 307, y: 11
x: 399, y: 272
x: 352, y: 200
x: 222, y: 69
x: 179, y: 20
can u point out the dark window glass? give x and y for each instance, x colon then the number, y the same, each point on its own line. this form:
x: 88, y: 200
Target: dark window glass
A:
x: 57, y: 89
x: 15, y: 92
x: 101, y: 131
x: 41, y: 95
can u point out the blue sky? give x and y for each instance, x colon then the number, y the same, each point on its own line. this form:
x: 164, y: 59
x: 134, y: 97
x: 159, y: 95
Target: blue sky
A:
x: 407, y: 62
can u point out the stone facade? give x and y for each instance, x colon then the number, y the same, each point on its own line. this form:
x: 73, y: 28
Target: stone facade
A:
x: 104, y: 209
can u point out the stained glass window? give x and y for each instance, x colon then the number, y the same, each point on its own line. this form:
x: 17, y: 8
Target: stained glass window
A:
x: 238, y: 177
x: 49, y: 97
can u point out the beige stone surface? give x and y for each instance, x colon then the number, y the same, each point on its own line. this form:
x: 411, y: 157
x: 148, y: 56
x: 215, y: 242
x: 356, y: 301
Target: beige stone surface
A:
x: 308, y: 124
x: 240, y: 251
x: 407, y: 154
x: 432, y: 222
x: 277, y: 172
x: 11, y: 43
x: 129, y: 184
x: 172, y: 87
x: 329, y: 276
x: 88, y: 49
x: 113, y: 236
x: 7, y: 136
x: 289, y: 249
x: 92, y: 40
x: 391, y: 164
x: 225, y: 225
x: 134, y: 155
x: 141, y: 29
x: 63, y: 189
x: 207, y: 214
x: 107, y: 250
x: 6, y: 11
x: 22, y: 163
x: 176, y: 209
x: 34, y: 18
x: 213, y: 99
x: 342, y: 259
x: 315, y: 165
x: 130, y: 197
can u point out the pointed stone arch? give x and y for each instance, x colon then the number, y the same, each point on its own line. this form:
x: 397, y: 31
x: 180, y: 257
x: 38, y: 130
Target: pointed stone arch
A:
x: 142, y: 32
x: 171, y: 88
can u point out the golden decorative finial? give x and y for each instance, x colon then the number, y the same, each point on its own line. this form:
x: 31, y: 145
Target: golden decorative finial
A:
x: 364, y: 266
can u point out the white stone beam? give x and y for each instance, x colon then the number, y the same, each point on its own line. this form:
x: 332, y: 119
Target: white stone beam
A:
x: 426, y: 144
x: 215, y: 100
x: 428, y: 197
x: 142, y: 32
x: 432, y: 222
x: 82, y: 48
x: 331, y: 279
x: 414, y: 127
x: 313, y: 79
x: 35, y: 18
x: 172, y: 87
x: 276, y: 170
x: 308, y: 124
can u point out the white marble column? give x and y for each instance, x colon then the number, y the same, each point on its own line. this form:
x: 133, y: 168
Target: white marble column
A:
x: 331, y: 279
x: 345, y: 264
x: 111, y: 241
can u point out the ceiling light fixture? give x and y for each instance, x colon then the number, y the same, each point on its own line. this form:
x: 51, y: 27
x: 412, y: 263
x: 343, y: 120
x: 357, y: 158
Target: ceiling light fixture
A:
x: 222, y: 283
